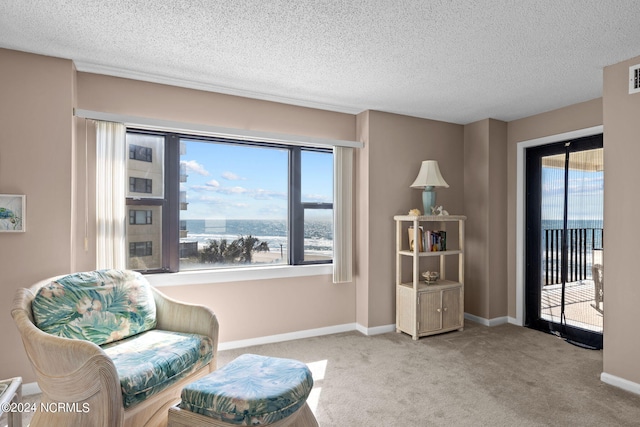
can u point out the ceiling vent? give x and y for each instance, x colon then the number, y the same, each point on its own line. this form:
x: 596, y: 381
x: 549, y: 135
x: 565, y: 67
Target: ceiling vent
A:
x: 634, y: 79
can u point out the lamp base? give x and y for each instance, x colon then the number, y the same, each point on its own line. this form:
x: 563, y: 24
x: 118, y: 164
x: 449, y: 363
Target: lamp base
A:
x: 428, y: 200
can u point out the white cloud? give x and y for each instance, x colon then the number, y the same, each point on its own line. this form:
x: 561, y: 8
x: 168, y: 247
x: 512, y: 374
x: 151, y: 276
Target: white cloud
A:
x: 237, y: 190
x: 212, y: 185
x: 195, y: 167
x: 318, y: 198
x: 211, y: 200
x: 260, y: 194
x: 230, y: 176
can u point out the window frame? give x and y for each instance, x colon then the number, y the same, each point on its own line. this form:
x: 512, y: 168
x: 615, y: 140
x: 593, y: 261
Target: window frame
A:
x: 170, y: 204
x: 297, y: 207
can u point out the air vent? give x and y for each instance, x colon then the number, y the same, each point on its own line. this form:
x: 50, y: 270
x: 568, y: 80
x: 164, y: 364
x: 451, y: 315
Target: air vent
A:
x: 634, y: 79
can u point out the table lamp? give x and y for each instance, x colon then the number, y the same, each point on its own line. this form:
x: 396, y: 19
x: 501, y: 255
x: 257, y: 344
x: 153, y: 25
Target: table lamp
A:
x: 428, y: 178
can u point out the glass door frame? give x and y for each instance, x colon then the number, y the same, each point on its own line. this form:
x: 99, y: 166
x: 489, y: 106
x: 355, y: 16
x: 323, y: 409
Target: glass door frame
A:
x: 532, y: 221
x: 521, y: 147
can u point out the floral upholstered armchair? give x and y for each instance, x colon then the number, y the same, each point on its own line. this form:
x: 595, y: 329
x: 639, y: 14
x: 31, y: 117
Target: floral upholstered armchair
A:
x: 113, y: 348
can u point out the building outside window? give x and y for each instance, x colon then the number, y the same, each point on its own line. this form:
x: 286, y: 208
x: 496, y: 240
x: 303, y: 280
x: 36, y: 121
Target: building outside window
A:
x: 145, y: 201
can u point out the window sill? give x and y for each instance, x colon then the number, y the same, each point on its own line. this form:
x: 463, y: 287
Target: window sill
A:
x: 199, y: 277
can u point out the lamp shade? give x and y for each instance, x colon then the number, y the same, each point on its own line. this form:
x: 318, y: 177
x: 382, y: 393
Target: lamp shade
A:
x: 429, y: 176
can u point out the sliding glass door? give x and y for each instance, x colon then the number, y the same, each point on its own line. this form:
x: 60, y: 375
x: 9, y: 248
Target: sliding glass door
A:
x: 564, y: 207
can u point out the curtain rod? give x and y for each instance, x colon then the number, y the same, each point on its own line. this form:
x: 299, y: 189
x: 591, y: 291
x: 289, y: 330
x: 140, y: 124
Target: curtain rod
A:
x: 207, y: 130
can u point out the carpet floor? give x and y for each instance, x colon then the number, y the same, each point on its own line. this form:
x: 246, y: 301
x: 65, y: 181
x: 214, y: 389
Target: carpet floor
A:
x: 482, y: 376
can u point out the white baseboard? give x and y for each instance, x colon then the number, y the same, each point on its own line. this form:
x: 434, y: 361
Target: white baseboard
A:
x: 487, y: 322
x: 514, y: 321
x: 377, y: 330
x: 229, y: 345
x: 620, y: 383
x: 309, y: 333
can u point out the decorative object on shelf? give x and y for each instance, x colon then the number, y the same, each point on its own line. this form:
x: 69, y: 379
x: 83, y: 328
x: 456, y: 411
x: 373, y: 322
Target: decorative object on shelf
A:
x: 430, y: 276
x: 420, y: 239
x: 12, y: 213
x: 428, y: 178
x: 438, y: 211
x: 415, y: 212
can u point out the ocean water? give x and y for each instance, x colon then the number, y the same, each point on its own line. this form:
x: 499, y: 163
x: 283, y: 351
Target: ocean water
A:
x: 572, y: 223
x: 595, y: 224
x: 318, y: 235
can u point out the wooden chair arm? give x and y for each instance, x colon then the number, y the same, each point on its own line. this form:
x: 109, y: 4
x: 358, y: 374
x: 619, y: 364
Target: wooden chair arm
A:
x: 177, y: 316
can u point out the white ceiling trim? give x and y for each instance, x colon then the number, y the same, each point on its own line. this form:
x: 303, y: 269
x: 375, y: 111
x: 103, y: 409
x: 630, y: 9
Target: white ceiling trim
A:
x: 222, y: 132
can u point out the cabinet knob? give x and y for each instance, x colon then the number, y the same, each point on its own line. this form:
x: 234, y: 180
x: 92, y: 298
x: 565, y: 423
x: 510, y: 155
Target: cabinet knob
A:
x: 438, y: 310
x: 445, y: 309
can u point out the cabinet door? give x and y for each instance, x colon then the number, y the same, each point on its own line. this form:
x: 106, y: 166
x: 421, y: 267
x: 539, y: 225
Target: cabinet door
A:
x: 429, y: 311
x: 451, y: 310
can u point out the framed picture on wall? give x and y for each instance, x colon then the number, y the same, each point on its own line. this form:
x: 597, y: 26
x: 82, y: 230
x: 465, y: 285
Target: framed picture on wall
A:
x: 12, y: 213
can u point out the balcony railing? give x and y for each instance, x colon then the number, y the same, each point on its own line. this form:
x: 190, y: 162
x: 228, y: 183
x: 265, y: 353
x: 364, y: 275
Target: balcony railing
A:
x: 580, y: 245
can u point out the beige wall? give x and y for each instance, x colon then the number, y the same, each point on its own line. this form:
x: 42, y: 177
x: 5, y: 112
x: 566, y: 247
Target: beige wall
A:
x: 574, y: 117
x: 395, y: 146
x: 253, y: 309
x: 622, y: 151
x: 36, y: 160
x: 124, y: 96
x: 361, y: 224
x: 485, y: 202
x: 497, y: 241
x: 476, y: 200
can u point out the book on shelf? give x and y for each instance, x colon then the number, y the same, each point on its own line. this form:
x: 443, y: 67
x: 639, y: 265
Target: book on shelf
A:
x: 435, y: 241
x: 429, y: 241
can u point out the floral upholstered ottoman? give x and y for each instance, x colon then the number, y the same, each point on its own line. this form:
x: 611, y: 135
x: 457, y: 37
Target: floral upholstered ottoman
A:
x: 250, y: 390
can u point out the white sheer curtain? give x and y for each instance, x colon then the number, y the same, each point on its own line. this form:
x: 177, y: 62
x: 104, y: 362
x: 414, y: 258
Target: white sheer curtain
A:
x: 342, y: 214
x: 110, y: 190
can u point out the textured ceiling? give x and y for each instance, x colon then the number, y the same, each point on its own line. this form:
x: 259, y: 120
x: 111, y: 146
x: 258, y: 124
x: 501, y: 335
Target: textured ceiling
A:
x: 457, y: 61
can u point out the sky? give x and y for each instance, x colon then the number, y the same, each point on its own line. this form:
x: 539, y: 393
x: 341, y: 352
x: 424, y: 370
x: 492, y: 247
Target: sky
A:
x: 241, y: 182
x: 586, y: 194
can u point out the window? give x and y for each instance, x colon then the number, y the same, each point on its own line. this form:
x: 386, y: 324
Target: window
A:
x: 137, y: 217
x: 140, y: 249
x: 140, y: 185
x: 137, y: 152
x: 227, y: 203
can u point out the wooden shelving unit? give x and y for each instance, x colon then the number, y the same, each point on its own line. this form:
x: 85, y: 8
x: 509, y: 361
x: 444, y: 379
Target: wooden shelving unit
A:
x: 425, y: 309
